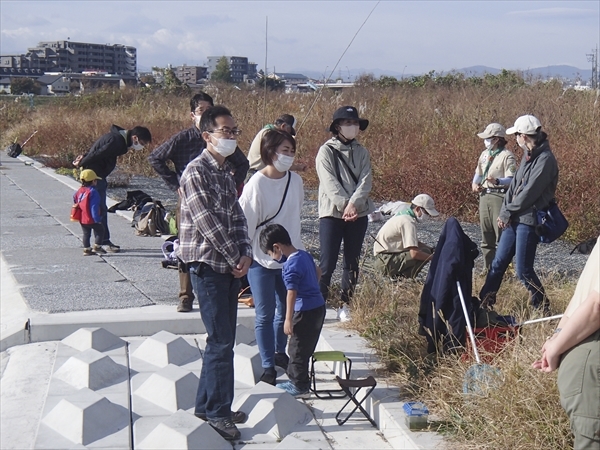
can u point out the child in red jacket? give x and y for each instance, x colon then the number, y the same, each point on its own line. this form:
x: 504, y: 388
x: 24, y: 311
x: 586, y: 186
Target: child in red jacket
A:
x: 86, y: 210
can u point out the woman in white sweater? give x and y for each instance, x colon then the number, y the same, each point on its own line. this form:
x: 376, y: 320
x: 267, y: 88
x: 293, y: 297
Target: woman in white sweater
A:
x: 272, y: 195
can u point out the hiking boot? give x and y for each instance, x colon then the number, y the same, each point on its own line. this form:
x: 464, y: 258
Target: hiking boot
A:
x: 110, y: 247
x: 269, y: 376
x: 293, y: 390
x: 236, y: 417
x: 87, y: 251
x: 185, y: 305
x: 282, y: 360
x: 226, y: 428
x: 98, y: 250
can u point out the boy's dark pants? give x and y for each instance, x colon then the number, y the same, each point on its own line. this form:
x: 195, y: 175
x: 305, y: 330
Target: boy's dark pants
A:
x: 307, y: 329
x: 87, y: 233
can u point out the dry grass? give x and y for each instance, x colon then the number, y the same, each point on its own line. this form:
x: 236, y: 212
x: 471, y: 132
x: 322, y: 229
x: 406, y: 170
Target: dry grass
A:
x: 522, y: 413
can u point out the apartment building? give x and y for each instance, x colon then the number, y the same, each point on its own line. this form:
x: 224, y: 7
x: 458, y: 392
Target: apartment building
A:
x: 77, y: 57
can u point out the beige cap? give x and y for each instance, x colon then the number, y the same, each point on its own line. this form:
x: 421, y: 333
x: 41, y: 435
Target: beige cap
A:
x: 425, y: 201
x: 493, y: 130
x: 525, y: 125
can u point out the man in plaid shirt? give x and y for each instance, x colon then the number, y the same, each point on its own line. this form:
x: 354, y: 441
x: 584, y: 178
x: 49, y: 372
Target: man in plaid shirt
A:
x: 214, y: 244
x: 180, y: 149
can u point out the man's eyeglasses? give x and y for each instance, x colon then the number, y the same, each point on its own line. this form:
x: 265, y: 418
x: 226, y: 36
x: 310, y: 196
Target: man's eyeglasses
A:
x: 227, y: 131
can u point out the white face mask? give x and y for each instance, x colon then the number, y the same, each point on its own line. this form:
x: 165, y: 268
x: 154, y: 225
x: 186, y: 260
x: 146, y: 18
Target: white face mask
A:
x: 522, y: 144
x: 423, y: 217
x: 137, y: 146
x: 349, y: 131
x: 487, y: 143
x: 197, y: 121
x: 283, y: 163
x: 224, y: 147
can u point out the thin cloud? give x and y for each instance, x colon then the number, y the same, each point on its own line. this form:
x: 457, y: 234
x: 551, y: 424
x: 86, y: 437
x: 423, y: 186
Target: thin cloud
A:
x: 557, y: 12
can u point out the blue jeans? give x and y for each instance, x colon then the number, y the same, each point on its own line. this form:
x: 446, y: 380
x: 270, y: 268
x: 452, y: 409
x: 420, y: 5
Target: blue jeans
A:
x: 269, y: 295
x: 101, y: 187
x: 518, y: 240
x: 217, y: 297
x: 332, y: 232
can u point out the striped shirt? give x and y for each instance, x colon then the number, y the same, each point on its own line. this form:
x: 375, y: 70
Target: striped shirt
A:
x: 213, y: 228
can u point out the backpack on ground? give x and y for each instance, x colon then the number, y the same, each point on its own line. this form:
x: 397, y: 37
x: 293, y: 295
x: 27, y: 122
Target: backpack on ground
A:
x: 151, y: 220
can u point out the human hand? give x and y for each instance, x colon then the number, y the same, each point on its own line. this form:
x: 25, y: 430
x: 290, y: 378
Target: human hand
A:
x: 501, y: 224
x: 180, y: 192
x: 550, y: 359
x: 350, y: 213
x: 77, y: 160
x: 242, y: 267
x: 476, y: 187
x: 288, y: 327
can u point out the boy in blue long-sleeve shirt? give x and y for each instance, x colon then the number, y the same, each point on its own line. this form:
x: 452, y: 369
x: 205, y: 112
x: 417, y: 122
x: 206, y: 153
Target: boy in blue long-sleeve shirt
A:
x: 305, y: 311
x: 87, y: 211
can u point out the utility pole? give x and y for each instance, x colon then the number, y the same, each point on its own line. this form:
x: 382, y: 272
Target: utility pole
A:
x: 593, y: 58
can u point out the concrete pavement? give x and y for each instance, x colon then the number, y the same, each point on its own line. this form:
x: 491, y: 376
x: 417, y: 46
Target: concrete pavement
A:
x: 50, y: 290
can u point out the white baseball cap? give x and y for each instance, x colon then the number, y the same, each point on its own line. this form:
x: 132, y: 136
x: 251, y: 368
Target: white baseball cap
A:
x: 425, y: 201
x: 527, y: 124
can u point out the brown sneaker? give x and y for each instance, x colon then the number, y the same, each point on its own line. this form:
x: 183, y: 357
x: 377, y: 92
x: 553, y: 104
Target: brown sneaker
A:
x: 185, y: 305
x: 87, y: 251
x: 98, y: 250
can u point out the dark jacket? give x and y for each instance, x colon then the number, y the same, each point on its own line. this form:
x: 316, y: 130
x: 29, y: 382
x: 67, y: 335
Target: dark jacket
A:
x: 102, y: 156
x: 533, y: 187
x: 182, y: 148
x: 452, y: 261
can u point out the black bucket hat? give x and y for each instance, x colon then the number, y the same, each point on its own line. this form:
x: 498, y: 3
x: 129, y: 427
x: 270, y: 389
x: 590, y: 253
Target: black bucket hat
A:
x: 347, y: 112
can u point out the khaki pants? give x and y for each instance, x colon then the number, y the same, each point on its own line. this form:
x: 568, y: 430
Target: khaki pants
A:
x: 400, y: 264
x: 579, y: 386
x: 185, y: 283
x: 489, y: 210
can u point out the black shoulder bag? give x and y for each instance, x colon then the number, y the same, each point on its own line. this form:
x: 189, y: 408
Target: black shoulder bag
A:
x: 282, y: 200
x: 339, y: 157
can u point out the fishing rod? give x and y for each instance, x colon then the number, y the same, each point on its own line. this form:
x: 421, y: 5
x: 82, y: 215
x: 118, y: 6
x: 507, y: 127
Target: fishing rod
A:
x: 333, y: 70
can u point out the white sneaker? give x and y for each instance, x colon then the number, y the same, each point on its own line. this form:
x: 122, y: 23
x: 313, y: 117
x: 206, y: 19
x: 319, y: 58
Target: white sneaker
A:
x: 343, y: 314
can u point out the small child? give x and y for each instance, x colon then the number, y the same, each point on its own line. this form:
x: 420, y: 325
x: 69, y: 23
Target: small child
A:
x: 87, y: 200
x: 305, y: 311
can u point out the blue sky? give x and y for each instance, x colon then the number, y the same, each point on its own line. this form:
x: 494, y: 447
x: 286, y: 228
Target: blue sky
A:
x: 400, y: 36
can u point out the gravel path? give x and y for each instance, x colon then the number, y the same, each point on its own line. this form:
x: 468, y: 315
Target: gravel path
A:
x: 551, y: 259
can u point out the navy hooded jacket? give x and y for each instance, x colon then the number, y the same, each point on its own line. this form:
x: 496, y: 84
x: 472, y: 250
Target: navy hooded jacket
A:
x: 440, y: 311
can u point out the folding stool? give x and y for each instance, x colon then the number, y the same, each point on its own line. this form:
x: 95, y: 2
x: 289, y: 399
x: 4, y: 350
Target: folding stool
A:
x: 331, y: 356
x: 346, y: 385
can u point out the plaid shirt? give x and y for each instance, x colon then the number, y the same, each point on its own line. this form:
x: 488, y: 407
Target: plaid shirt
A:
x: 213, y: 227
x: 183, y: 148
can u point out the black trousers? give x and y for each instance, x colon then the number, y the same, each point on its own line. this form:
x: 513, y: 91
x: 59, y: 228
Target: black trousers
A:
x: 332, y: 232
x: 307, y: 329
x: 87, y: 233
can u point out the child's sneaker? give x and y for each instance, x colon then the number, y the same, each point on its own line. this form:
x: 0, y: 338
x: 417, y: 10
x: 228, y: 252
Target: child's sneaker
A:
x: 291, y: 389
x: 87, y: 251
x: 98, y: 250
x: 343, y: 313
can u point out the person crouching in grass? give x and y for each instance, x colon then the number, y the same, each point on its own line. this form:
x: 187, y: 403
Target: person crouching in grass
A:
x: 305, y: 310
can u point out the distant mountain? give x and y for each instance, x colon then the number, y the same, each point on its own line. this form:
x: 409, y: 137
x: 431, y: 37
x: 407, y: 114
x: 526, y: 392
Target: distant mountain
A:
x: 565, y: 72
